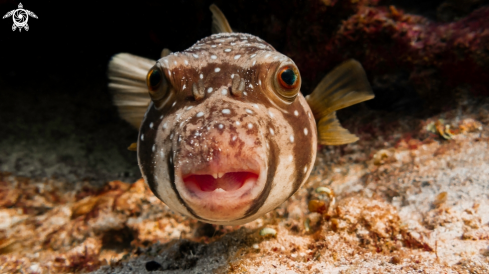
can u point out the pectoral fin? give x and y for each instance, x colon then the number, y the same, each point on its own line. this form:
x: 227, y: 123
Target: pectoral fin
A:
x: 330, y: 132
x: 127, y: 74
x: 219, y: 22
x: 346, y: 85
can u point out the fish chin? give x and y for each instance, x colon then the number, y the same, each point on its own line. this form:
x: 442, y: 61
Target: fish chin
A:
x: 221, y: 190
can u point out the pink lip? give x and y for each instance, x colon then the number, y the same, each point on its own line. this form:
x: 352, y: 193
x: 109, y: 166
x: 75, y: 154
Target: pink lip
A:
x: 221, y: 177
x: 228, y: 182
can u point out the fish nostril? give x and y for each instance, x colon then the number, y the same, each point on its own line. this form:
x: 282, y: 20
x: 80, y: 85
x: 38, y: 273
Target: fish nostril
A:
x: 238, y: 86
x: 198, y: 90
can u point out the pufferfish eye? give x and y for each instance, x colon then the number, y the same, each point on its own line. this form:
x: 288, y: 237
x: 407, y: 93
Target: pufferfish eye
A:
x: 288, y: 80
x: 157, y: 84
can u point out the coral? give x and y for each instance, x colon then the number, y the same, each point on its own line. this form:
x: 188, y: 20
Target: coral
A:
x: 437, y: 56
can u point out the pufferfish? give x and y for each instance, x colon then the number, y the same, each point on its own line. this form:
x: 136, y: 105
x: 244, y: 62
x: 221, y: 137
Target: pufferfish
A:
x: 225, y: 134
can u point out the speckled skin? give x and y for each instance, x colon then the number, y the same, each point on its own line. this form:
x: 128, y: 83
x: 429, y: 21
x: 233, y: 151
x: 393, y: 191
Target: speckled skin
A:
x: 257, y: 131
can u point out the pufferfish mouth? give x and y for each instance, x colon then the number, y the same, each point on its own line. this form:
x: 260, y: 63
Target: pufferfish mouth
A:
x: 220, y: 189
x: 222, y: 177
x: 219, y: 182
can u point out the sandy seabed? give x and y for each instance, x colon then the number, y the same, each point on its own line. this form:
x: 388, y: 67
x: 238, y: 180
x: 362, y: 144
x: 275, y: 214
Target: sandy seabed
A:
x: 412, y: 196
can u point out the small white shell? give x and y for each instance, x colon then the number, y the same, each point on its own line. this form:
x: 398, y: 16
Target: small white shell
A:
x: 267, y: 231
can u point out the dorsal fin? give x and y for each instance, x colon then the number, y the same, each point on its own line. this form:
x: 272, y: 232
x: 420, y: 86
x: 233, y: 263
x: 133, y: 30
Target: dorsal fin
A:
x: 219, y: 22
x: 165, y: 52
x: 127, y: 74
x: 346, y: 85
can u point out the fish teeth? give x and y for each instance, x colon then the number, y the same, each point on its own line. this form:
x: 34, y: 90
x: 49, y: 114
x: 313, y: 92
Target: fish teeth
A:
x: 217, y: 175
x: 219, y: 190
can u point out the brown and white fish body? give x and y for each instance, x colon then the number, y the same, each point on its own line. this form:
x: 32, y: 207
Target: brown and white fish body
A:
x: 227, y: 136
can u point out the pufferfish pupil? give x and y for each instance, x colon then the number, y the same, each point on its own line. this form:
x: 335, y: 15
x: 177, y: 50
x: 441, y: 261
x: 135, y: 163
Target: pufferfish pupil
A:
x: 288, y: 76
x: 154, y: 79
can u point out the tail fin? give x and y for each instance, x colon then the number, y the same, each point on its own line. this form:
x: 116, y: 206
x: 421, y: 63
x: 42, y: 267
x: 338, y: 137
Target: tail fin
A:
x: 127, y: 74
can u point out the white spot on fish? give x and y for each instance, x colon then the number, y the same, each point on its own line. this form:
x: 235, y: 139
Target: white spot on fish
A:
x: 249, y: 111
x: 186, y: 62
x: 305, y: 169
x: 195, y: 55
x: 234, y: 138
x: 237, y: 57
x: 174, y: 103
x: 200, y: 114
x: 161, y: 117
x: 213, y: 46
x: 255, y: 106
x: 224, y: 92
x: 296, y: 113
x: 272, y: 132
x: 164, y: 125
x: 171, y: 136
x: 309, y: 114
x: 171, y: 160
x: 251, y: 86
x: 253, y: 55
x: 220, y: 126
x: 232, y: 43
x: 270, y: 113
x: 245, y: 93
x: 213, y: 57
x: 291, y: 138
x: 209, y: 90
x: 174, y: 62
x: 142, y: 137
x: 268, y: 55
x: 238, y: 123
x: 254, y: 62
x: 291, y: 158
x: 227, y: 50
x: 232, y: 76
x: 184, y: 86
x: 250, y: 125
x: 226, y: 111
x: 162, y: 153
x: 151, y: 125
x: 201, y: 76
x: 189, y: 108
x: 217, y: 69
x: 268, y: 146
x: 305, y: 131
x: 153, y: 148
x: 259, y: 82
